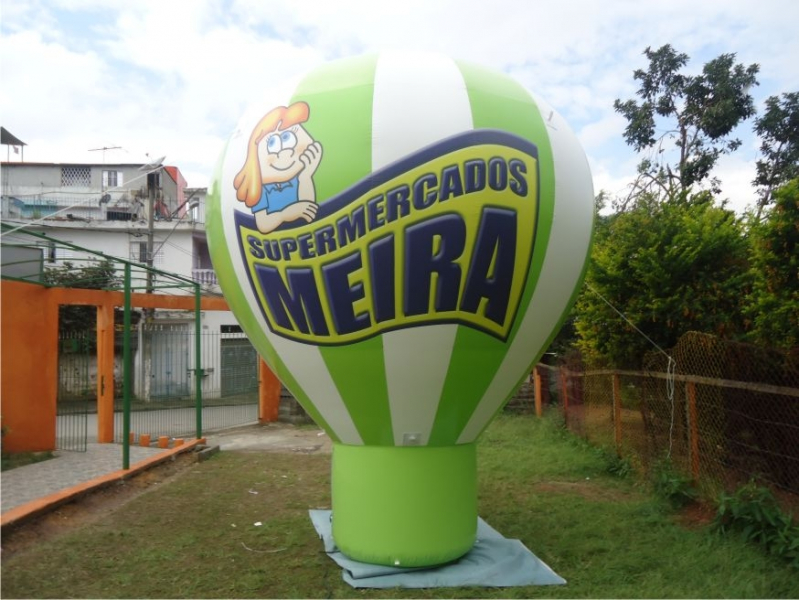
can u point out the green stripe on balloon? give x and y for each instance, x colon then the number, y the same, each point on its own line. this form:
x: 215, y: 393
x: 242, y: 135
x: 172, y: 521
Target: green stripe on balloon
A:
x: 476, y: 357
x: 223, y: 267
x: 340, y: 96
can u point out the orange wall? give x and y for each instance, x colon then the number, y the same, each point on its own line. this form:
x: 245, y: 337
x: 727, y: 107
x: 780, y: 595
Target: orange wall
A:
x: 28, y: 366
x: 29, y: 356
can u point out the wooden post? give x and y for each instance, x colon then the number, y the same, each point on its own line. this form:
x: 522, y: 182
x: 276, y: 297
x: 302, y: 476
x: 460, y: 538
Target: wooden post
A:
x: 268, y: 394
x: 537, y: 391
x: 105, y: 373
x: 693, y: 426
x: 617, y: 412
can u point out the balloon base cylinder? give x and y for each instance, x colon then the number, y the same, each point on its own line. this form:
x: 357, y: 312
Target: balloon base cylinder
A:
x: 405, y: 506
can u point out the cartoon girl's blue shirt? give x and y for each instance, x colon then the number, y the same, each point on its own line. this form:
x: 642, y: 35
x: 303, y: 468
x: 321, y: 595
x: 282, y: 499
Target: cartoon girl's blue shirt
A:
x: 277, y: 196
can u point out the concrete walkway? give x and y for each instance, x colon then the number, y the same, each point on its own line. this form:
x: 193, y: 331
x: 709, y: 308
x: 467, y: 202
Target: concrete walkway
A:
x: 66, y: 470
x: 56, y: 480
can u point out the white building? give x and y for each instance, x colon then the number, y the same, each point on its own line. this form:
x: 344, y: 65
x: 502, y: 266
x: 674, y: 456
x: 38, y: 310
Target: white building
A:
x: 106, y: 208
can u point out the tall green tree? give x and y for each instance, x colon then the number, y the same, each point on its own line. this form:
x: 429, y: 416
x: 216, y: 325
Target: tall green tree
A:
x: 697, y: 112
x: 774, y: 303
x: 670, y: 267
x: 778, y: 130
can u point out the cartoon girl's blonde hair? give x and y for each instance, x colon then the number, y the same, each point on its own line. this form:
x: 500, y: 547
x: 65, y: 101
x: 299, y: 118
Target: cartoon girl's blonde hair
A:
x: 248, y: 181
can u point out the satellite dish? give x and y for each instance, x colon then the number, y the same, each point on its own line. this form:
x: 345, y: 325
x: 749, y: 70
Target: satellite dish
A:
x: 105, y: 199
x: 154, y: 164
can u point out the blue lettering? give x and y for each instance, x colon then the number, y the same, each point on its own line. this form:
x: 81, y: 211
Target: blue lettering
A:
x: 475, y: 175
x: 422, y: 198
x: 518, y: 170
x: 398, y: 204
x: 422, y: 259
x: 451, y: 184
x: 375, y: 209
x: 351, y: 227
x: 342, y: 295
x: 255, y: 247
x: 495, y: 245
x: 497, y: 174
x: 381, y: 270
x: 299, y: 300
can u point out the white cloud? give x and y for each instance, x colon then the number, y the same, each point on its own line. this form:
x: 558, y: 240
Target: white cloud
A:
x: 167, y: 77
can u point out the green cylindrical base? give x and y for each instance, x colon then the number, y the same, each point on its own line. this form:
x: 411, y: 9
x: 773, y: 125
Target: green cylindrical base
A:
x: 408, y: 506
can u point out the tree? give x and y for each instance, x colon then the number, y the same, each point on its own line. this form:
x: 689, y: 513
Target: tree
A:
x: 95, y: 276
x: 774, y: 303
x: 670, y: 267
x: 699, y: 111
x: 778, y: 130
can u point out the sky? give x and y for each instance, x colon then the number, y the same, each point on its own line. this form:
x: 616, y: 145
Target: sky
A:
x: 121, y: 81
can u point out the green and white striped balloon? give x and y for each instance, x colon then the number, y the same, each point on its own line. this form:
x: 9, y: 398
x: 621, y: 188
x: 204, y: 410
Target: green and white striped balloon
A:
x: 437, y: 240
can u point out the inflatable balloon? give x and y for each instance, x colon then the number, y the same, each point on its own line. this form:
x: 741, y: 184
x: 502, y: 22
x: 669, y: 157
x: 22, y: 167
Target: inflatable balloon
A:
x: 400, y: 236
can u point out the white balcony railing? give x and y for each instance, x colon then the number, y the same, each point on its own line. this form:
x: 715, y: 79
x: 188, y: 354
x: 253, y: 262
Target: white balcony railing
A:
x: 204, y: 276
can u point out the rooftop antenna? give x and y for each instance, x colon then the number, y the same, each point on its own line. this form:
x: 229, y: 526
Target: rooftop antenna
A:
x: 104, y: 148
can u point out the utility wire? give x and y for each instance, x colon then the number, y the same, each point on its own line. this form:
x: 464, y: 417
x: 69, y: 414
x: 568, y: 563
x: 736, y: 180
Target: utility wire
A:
x: 671, y: 366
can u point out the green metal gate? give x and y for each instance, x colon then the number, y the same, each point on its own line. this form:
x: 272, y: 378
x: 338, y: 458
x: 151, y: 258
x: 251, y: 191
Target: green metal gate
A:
x: 77, y: 392
x: 239, y: 367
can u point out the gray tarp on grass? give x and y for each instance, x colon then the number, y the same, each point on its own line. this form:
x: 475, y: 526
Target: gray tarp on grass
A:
x: 493, y: 562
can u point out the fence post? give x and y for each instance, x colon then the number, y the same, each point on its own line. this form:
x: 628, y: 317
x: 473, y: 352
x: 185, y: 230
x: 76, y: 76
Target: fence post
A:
x: 617, y: 411
x: 198, y: 364
x: 537, y: 391
x: 693, y: 426
x: 564, y: 385
x: 268, y: 394
x: 126, y: 375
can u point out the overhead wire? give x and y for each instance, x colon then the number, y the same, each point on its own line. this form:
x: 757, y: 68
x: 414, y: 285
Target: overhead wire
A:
x: 671, y: 366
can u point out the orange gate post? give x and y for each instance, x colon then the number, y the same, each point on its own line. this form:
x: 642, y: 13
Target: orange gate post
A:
x: 105, y: 373
x: 537, y: 391
x: 268, y: 394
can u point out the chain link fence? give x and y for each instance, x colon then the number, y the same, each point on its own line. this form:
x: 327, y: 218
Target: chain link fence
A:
x: 722, y: 412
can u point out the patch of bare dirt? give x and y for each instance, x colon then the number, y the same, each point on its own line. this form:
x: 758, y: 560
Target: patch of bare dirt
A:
x: 92, y: 506
x: 584, y: 489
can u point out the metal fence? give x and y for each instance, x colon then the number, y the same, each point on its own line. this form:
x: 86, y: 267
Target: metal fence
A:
x: 76, y: 390
x: 164, y: 380
x: 163, y: 366
x: 726, y: 413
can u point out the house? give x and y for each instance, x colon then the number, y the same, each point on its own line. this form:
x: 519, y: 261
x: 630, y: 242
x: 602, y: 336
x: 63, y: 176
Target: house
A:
x: 126, y: 210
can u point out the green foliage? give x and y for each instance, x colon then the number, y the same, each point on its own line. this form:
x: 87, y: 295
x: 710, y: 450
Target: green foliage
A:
x: 773, y: 305
x: 670, y: 267
x: 698, y: 112
x: 778, y: 129
x: 671, y: 485
x: 753, y: 512
x: 93, y: 276
x: 617, y: 465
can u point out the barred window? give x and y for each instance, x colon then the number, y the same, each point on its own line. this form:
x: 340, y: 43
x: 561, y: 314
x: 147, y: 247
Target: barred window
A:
x: 76, y: 176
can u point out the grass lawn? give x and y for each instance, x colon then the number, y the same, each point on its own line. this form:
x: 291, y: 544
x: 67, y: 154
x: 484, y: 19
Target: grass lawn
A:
x: 194, y: 537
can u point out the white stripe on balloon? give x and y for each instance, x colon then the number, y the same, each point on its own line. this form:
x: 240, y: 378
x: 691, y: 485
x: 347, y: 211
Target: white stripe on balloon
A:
x: 418, y: 100
x: 571, y: 225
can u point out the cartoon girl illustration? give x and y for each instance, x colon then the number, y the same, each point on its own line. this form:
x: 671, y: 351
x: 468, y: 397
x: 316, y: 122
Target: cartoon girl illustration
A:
x: 276, y: 181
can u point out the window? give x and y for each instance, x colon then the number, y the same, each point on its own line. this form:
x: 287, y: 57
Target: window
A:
x: 76, y: 176
x: 138, y: 253
x: 56, y: 253
x: 112, y: 179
